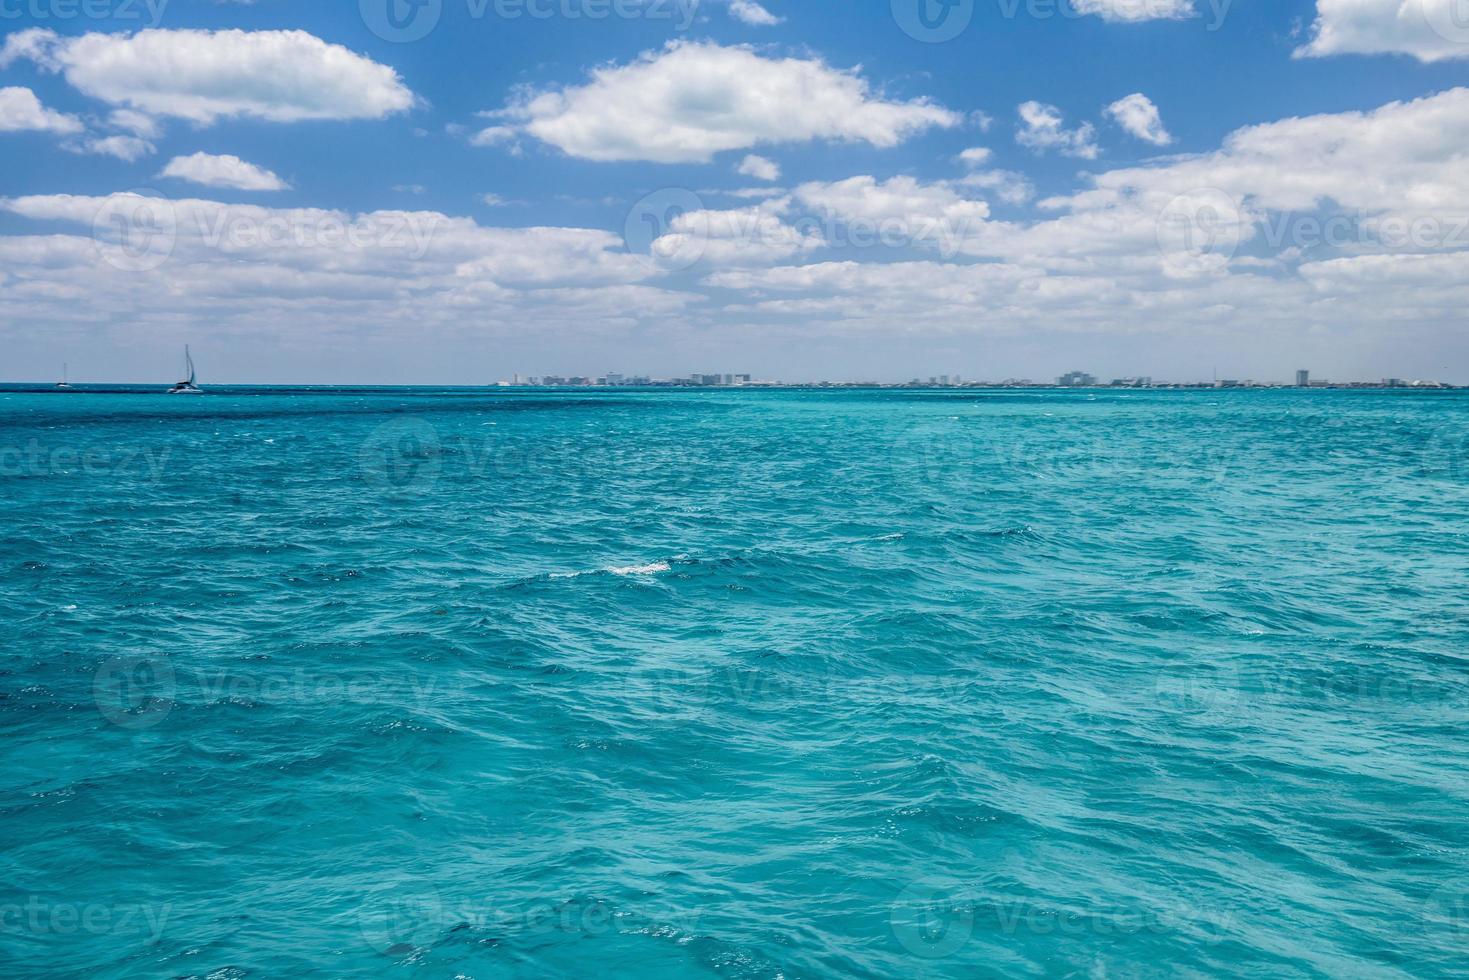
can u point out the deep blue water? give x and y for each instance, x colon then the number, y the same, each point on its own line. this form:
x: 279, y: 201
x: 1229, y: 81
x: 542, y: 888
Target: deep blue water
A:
x: 739, y: 684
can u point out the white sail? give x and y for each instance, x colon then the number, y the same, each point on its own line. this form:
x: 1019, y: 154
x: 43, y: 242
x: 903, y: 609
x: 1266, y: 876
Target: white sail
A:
x: 187, y: 386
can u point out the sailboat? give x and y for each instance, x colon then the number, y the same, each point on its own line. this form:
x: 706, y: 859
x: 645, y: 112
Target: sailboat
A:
x: 187, y: 386
x: 65, y: 383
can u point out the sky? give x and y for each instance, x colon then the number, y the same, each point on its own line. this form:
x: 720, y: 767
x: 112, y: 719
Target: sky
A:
x: 455, y: 191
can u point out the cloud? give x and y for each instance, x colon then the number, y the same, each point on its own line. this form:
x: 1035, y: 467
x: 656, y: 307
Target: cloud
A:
x: 127, y: 148
x: 859, y: 211
x: 1102, y: 258
x: 1404, y: 157
x: 223, y: 171
x: 751, y: 13
x: 899, y: 200
x: 1429, y: 30
x: 1043, y: 128
x: 203, y: 76
x: 1135, y: 11
x: 976, y: 156
x: 139, y: 124
x: 1108, y: 260
x: 746, y: 193
x: 247, y: 268
x: 1139, y: 116
x: 759, y: 167
x: 21, y: 110
x: 689, y: 101
x: 491, y: 135
x: 756, y: 235
x: 1007, y: 185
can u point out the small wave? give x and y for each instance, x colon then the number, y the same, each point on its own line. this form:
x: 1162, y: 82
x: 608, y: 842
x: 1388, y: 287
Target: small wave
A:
x: 652, y: 568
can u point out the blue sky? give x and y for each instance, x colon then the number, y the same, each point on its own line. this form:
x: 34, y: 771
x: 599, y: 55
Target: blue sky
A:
x: 1163, y: 187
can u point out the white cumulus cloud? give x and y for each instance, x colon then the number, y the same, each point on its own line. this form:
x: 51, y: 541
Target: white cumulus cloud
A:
x: 1042, y: 127
x: 759, y: 167
x: 139, y: 124
x: 1139, y: 116
x: 127, y: 148
x: 303, y: 270
x: 1134, y: 11
x: 976, y: 156
x: 752, y: 13
x: 202, y: 76
x: 1429, y: 30
x: 21, y: 110
x: 689, y: 101
x: 224, y: 170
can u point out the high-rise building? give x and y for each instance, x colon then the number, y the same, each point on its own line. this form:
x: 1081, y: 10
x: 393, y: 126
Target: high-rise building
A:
x: 1077, y: 379
x: 1303, y: 379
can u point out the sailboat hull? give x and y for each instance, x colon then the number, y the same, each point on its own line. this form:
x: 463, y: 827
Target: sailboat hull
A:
x: 187, y: 386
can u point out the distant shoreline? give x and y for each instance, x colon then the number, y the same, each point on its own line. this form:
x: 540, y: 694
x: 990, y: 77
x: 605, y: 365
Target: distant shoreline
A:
x: 149, y: 388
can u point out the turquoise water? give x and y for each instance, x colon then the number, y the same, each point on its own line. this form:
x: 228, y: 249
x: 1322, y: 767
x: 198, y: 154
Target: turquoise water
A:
x: 740, y: 684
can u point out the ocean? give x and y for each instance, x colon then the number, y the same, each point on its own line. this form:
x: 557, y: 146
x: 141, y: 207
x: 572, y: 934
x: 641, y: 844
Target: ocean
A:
x: 746, y: 684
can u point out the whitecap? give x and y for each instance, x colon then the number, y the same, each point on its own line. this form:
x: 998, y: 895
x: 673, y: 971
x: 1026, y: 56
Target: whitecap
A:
x: 650, y: 569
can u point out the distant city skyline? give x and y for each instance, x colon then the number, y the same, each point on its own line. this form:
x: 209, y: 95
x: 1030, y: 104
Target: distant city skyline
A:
x: 1298, y: 378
